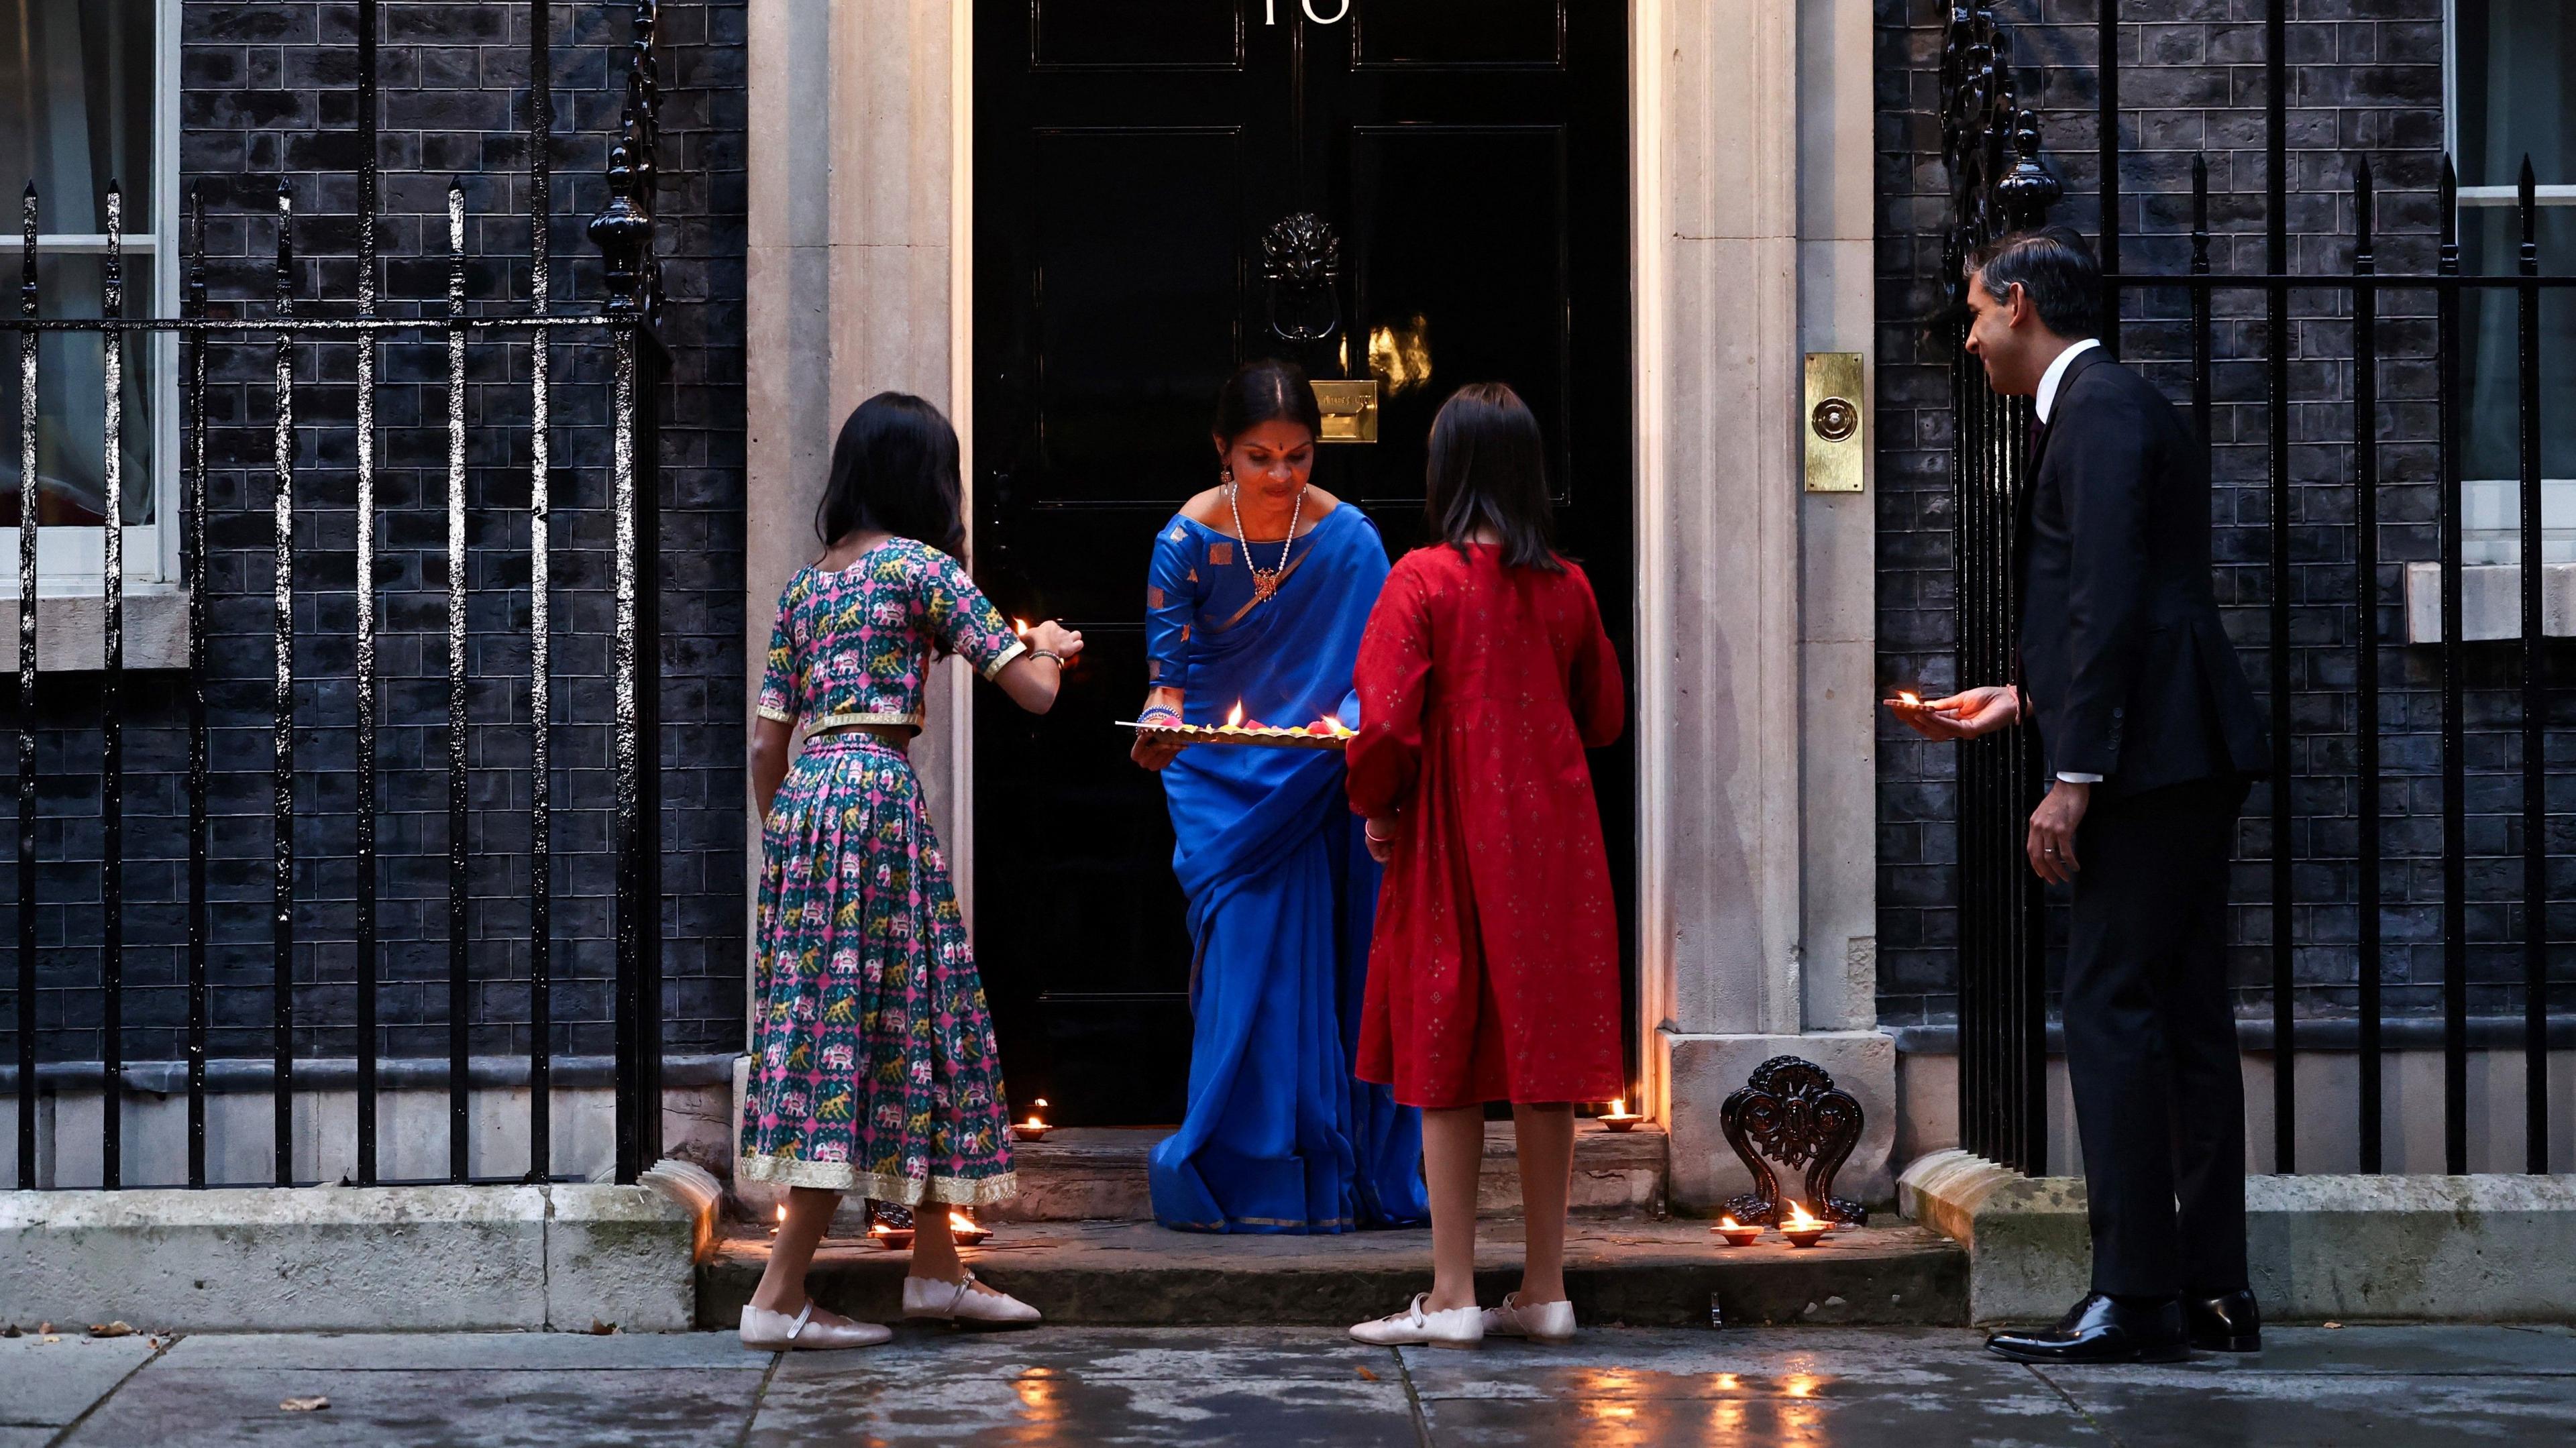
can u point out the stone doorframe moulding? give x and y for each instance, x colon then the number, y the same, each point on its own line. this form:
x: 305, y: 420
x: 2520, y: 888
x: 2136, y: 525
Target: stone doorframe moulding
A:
x: 1750, y: 153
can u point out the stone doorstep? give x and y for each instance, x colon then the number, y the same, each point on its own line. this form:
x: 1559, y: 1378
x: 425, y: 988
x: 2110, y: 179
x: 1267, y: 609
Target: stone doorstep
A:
x: 1645, y: 1273
x: 560, y: 1256
x: 1097, y: 1174
x: 2323, y: 1248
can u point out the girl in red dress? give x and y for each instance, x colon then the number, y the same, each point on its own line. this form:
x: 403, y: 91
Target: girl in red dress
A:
x: 1494, y: 972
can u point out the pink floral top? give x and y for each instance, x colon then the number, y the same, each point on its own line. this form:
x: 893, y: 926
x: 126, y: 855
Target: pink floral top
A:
x: 855, y: 646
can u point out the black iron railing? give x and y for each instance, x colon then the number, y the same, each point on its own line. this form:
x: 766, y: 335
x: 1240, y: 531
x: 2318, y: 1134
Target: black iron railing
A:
x: 1992, y: 143
x: 627, y: 328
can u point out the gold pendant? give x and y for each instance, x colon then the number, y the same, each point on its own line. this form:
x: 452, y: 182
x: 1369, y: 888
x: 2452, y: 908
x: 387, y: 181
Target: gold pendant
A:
x: 1264, y: 585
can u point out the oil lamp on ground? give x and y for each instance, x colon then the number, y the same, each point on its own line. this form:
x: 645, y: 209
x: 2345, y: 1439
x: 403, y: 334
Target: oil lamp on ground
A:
x: 1801, y: 1229
x: 1619, y: 1117
x: 1035, y: 1128
x: 1736, y: 1233
x: 890, y: 1226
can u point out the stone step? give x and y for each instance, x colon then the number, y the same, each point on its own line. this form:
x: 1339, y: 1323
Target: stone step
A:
x: 1098, y: 1174
x: 1641, y: 1273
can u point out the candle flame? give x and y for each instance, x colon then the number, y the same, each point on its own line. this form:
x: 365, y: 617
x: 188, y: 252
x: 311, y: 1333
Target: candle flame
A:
x: 1908, y: 697
x: 1019, y: 625
x: 1041, y: 1102
x: 782, y: 1216
x: 1619, y: 1107
x: 960, y: 1222
x: 1799, y: 1221
x: 1034, y: 1121
x: 1236, y: 716
x: 1729, y: 1223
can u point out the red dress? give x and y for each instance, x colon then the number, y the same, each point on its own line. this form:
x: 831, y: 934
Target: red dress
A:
x: 1494, y: 972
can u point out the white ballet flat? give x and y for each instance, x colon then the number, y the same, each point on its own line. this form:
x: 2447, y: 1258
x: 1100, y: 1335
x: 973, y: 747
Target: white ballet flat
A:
x: 958, y: 1301
x: 766, y: 1331
x: 1539, y: 1321
x: 1452, y: 1327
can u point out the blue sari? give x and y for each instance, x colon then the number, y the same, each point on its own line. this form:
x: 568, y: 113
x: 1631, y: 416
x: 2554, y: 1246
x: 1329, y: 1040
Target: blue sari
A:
x: 1280, y: 1137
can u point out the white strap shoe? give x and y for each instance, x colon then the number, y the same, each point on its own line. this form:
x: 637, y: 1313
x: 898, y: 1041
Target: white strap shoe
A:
x: 1537, y: 1321
x: 766, y: 1331
x: 1453, y: 1327
x: 958, y: 1301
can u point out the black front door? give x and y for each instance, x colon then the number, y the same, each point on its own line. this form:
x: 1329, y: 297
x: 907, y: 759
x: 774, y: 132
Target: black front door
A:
x: 1130, y: 158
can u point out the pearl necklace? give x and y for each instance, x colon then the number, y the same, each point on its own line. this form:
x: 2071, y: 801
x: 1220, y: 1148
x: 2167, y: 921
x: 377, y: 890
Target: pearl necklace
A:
x: 1265, y: 581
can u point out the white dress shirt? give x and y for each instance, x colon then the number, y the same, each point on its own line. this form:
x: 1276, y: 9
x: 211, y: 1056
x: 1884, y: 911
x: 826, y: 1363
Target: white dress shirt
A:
x: 2045, y: 403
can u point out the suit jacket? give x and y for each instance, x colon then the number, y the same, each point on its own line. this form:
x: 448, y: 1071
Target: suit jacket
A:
x: 2125, y: 666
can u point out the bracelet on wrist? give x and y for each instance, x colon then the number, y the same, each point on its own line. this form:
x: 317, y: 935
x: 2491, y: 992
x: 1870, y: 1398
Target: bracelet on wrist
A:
x: 1048, y: 654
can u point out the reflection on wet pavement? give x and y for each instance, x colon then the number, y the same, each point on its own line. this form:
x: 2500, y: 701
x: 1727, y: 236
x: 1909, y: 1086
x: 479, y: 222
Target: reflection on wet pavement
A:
x: 2396, y: 1387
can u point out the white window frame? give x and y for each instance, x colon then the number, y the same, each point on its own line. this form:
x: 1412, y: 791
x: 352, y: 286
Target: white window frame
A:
x: 71, y: 560
x: 2491, y: 508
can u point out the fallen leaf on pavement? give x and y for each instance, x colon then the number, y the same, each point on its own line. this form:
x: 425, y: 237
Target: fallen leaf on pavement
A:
x: 111, y: 1329
x: 597, y: 1327
x: 2334, y: 1324
x: 313, y: 1404
x: 1363, y: 1372
x: 44, y: 1326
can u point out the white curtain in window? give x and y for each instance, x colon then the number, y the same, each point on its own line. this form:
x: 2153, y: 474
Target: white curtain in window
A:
x: 76, y: 111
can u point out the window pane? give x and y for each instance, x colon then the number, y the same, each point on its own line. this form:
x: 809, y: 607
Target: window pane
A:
x: 76, y: 107
x: 71, y: 414
x: 2491, y: 242
x: 2516, y: 62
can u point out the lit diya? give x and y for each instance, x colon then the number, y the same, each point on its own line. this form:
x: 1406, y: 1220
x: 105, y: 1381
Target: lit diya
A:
x: 885, y: 1232
x: 1035, y: 1128
x: 1736, y: 1233
x: 1801, y: 1229
x: 1619, y: 1117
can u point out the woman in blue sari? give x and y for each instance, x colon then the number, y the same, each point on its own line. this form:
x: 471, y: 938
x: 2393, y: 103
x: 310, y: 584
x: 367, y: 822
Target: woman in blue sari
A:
x: 1257, y: 596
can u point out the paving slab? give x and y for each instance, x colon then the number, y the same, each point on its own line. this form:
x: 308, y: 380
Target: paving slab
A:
x: 212, y: 1408
x: 1053, y: 1386
x: 2144, y: 1409
x: 47, y: 1384
x: 1671, y: 1422
x: 1638, y: 1273
x: 466, y: 1351
x: 2408, y: 1351
x: 1925, y: 1388
x: 1103, y: 1354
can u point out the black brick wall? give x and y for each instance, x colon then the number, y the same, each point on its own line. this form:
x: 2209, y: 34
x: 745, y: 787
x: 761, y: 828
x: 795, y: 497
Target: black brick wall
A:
x: 2365, y: 77
x: 268, y: 90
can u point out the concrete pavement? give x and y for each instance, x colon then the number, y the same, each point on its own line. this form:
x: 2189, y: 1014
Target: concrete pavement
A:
x: 2389, y: 1387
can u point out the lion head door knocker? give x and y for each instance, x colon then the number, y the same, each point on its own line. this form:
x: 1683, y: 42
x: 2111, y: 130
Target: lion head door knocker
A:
x: 1301, y: 259
x: 1791, y: 1112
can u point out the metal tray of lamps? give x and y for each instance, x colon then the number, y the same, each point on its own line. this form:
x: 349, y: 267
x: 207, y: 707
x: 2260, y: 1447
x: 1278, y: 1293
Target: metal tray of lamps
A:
x: 1322, y: 734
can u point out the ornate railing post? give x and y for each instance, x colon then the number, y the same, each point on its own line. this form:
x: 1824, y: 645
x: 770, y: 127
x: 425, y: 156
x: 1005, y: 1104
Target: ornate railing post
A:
x: 1991, y: 145
x: 623, y: 231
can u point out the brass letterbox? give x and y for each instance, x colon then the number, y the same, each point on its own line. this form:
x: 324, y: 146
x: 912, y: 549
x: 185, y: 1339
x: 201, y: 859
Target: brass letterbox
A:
x: 1350, y: 410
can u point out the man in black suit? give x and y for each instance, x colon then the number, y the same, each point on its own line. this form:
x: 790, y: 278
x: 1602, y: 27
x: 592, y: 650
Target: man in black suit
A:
x: 2150, y: 735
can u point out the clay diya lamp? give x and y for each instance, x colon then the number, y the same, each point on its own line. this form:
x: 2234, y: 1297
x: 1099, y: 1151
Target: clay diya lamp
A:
x: 1736, y: 1233
x: 1619, y: 1117
x: 1801, y: 1229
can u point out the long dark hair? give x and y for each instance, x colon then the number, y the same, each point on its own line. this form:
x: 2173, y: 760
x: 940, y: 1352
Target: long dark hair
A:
x: 1266, y: 391
x: 895, y: 468
x: 1488, y: 472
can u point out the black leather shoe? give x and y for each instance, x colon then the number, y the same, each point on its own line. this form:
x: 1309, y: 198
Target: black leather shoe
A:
x: 2101, y: 1329
x: 2231, y: 1323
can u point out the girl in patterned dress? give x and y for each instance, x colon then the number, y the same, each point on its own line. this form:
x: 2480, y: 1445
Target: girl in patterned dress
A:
x: 873, y: 1068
